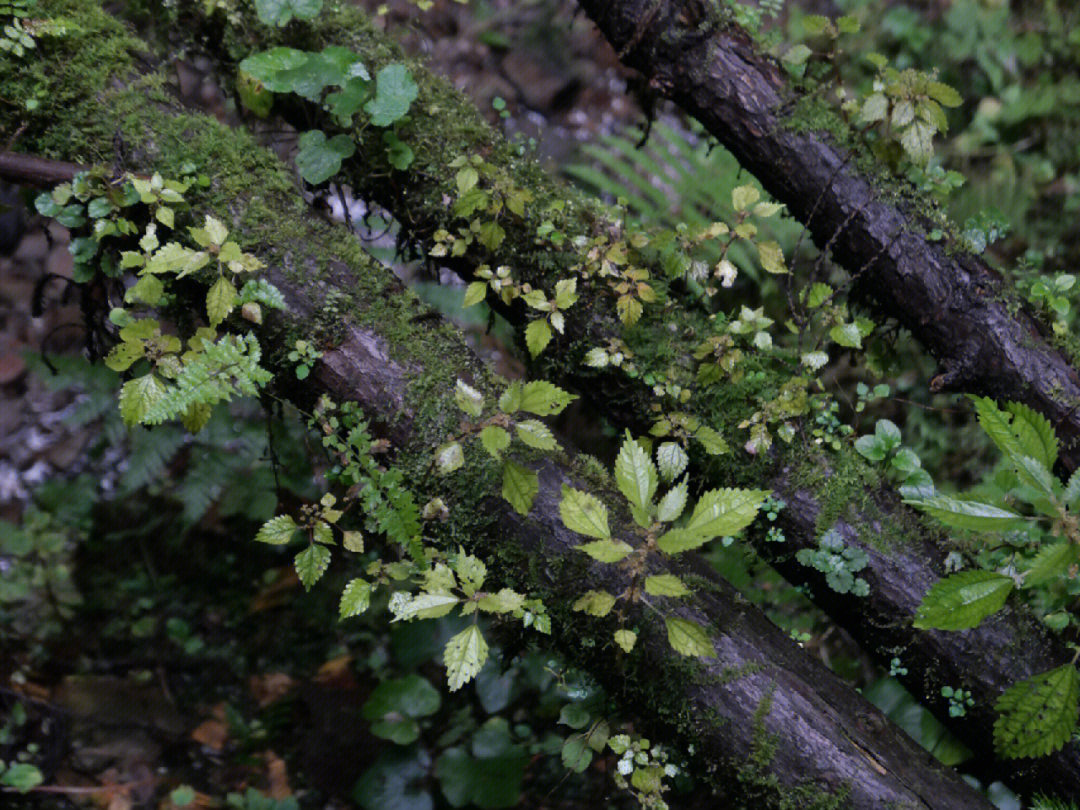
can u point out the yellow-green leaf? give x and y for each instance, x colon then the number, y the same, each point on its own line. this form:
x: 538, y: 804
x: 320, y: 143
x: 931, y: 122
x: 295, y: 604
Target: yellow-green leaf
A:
x: 584, y: 513
x: 689, y: 638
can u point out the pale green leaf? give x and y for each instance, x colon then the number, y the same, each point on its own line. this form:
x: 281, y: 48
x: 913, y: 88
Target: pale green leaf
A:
x: 468, y: 398
x: 427, y: 606
x: 355, y: 598
x: 277, y: 531
x: 537, y: 336
x: 771, y: 256
x: 606, y: 551
x: 665, y: 585
x: 474, y: 294
x: 505, y: 601
x: 1034, y: 433
x: 969, y: 515
x: 725, y: 511
x: 541, y: 398
x: 520, y: 486
x: 311, y: 563
x: 584, y: 513
x: 449, y: 457
x: 688, y: 638
x: 742, y: 197
x: 711, y: 440
x: 626, y: 639
x: 673, y: 503
x: 464, y: 656
x: 138, y: 396
x: 536, y: 434
x: 847, y: 335
x: 495, y: 440
x: 220, y: 300
x: 962, y: 600
x: 671, y: 459
x: 635, y: 474
x: 595, y: 603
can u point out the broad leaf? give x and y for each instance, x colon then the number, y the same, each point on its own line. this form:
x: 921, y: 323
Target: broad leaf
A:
x: 1051, y: 562
x: 584, y: 513
x: 395, y: 91
x: 277, y: 531
x: 689, y: 638
x: 494, y: 440
x: 520, y: 486
x: 537, y: 336
x: 635, y: 474
x: 1038, y: 715
x: 969, y: 515
x: 961, y: 601
x: 319, y: 158
x: 138, y: 396
x: 536, y: 434
x: 673, y: 503
x: 671, y: 460
x: 595, y: 603
x: 626, y: 639
x: 725, y: 511
x: 280, y: 12
x: 355, y: 598
x: 665, y: 585
x: 541, y: 398
x: 606, y: 551
x: 464, y: 655
x: 311, y: 563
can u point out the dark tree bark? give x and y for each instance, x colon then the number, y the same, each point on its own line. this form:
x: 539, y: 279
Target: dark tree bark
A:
x: 956, y: 305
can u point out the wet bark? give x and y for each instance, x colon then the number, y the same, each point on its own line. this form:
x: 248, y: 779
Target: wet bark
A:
x: 955, y: 304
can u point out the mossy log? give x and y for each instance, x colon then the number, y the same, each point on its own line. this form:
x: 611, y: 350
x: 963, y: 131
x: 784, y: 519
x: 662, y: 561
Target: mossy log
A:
x: 772, y: 727
x: 952, y: 301
x: 906, y: 553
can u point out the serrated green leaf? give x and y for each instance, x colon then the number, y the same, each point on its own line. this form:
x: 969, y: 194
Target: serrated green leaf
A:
x: 468, y: 398
x: 771, y: 256
x: 1037, y: 716
x: 665, y: 585
x: 1034, y: 434
x: 494, y: 440
x: 537, y: 336
x: 427, y: 606
x: 671, y: 459
x: 626, y: 639
x: 463, y: 656
x: 961, y: 601
x: 584, y: 513
x: 520, y: 486
x: 1052, y: 561
x: 673, y: 503
x: 635, y: 474
x: 311, y: 563
x: 688, y: 638
x: 536, y: 434
x: 711, y: 440
x: 355, y: 598
x: 277, y: 531
x: 122, y: 355
x: 742, y: 197
x: 944, y: 95
x: 220, y: 300
x: 138, y: 396
x: 505, y: 601
x: 847, y: 335
x: 395, y: 91
x: 449, y: 457
x: 606, y: 551
x: 969, y: 515
x: 725, y: 511
x: 595, y: 603
x: 538, y: 397
x: 474, y: 294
